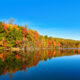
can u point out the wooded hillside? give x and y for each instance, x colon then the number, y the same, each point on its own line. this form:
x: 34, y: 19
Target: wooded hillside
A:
x: 16, y: 36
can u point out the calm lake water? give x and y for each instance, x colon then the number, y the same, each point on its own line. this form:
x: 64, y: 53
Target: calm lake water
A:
x: 40, y: 65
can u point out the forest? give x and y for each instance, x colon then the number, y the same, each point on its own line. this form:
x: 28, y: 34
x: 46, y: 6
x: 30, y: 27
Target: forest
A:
x: 13, y: 35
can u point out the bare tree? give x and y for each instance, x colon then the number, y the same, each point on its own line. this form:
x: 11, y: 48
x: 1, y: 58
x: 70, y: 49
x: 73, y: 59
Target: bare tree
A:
x: 4, y: 21
x: 26, y: 26
x: 11, y: 20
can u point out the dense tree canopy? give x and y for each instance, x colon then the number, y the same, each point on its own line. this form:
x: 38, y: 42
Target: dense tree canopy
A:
x: 15, y: 35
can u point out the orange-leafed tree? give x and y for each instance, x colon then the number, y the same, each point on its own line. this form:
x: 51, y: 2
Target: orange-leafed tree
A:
x: 5, y: 27
x: 36, y: 35
x: 24, y: 31
x: 59, y: 44
x: 17, y: 42
x: 4, y: 42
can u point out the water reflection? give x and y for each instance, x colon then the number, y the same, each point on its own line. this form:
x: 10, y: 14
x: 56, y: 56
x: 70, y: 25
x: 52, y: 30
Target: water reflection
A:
x: 11, y: 62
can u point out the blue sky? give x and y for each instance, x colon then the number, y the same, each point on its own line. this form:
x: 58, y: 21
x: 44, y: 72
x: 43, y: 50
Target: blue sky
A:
x: 57, y: 18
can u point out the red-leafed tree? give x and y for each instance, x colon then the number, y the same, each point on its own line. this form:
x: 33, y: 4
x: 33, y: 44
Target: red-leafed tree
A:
x: 17, y: 56
x: 24, y: 31
x: 36, y: 35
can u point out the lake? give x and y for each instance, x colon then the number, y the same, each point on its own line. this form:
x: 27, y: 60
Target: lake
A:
x: 40, y: 65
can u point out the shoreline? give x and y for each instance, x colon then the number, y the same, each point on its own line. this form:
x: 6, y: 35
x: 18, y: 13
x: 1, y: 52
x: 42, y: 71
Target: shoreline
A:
x: 32, y: 49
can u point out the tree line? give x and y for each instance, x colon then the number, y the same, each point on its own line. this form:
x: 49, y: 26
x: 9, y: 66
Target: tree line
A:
x: 13, y: 35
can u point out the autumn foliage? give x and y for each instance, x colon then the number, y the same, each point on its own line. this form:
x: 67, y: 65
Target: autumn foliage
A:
x: 13, y: 35
x: 24, y: 31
